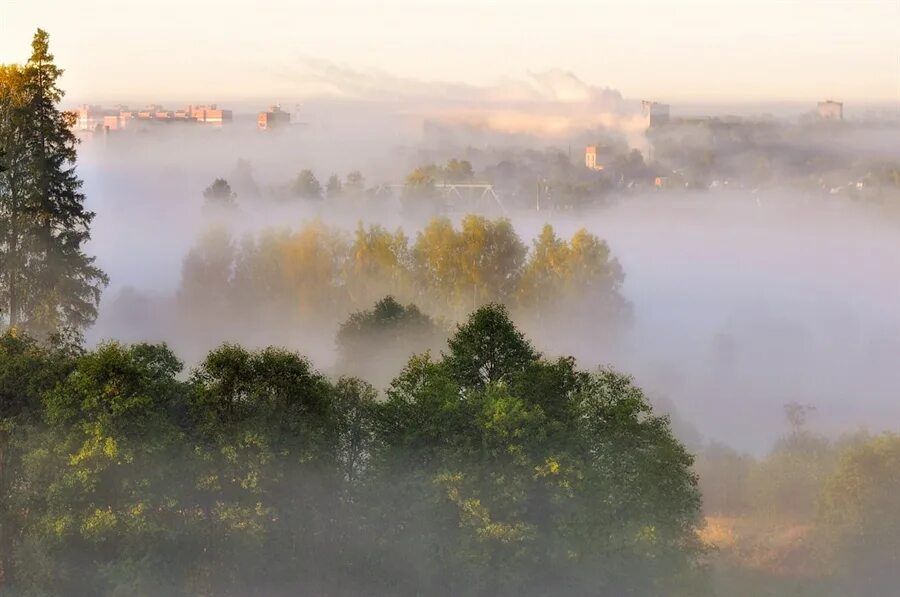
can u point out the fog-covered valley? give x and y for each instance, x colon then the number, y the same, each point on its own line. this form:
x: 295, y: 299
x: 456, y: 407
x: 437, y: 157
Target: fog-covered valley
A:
x: 411, y: 334
x: 743, y: 300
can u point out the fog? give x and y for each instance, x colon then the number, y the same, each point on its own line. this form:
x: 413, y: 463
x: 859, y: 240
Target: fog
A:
x: 743, y: 299
x: 405, y: 336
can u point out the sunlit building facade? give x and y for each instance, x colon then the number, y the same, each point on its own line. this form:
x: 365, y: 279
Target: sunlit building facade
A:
x: 94, y: 118
x: 590, y: 158
x: 654, y: 113
x: 274, y: 118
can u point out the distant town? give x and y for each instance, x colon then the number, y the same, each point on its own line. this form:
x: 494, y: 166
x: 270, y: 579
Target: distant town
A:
x: 675, y: 152
x: 95, y: 118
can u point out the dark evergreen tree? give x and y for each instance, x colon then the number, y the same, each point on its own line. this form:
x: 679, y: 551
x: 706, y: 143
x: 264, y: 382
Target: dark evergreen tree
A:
x: 13, y: 173
x: 219, y: 194
x: 375, y: 343
x: 307, y: 186
x: 63, y: 284
x: 334, y: 187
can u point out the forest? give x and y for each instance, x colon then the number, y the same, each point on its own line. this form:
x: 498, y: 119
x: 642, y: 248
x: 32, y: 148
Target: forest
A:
x: 479, y: 472
x: 311, y: 277
x: 483, y: 468
x: 451, y: 448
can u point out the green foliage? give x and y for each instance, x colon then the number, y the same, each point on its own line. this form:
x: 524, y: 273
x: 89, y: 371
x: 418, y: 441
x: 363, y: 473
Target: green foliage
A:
x: 379, y: 264
x: 782, y: 487
x: 787, y: 483
x: 813, y: 517
x: 28, y: 371
x: 274, y: 387
x: 572, y: 281
x: 860, y: 516
x: 355, y: 406
x: 513, y: 454
x: 489, y: 471
x: 354, y: 185
x: 725, y: 476
x: 334, y: 188
x: 219, y: 194
x: 488, y: 349
x: 307, y: 186
x: 458, y: 171
x: 313, y: 276
x: 98, y: 485
x: 375, y: 342
x: 420, y: 182
x: 480, y: 263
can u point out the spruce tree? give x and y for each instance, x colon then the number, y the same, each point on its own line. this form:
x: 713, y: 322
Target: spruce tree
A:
x: 62, y: 283
x: 14, y: 210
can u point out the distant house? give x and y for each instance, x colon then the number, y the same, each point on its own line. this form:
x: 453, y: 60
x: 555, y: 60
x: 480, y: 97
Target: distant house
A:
x: 590, y: 158
x: 91, y: 118
x: 273, y: 119
x: 830, y: 110
x: 210, y: 114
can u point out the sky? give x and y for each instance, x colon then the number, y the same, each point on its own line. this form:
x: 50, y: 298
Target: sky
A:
x: 690, y: 50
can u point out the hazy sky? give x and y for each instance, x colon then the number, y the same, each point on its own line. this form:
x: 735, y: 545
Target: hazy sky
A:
x: 687, y: 50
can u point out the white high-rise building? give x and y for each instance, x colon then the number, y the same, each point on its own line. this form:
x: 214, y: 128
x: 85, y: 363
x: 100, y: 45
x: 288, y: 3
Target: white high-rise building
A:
x: 830, y: 110
x: 655, y: 113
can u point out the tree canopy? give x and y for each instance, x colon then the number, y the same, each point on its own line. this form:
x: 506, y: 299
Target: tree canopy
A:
x: 219, y: 194
x: 487, y: 471
x: 307, y: 186
x: 311, y: 277
x: 374, y: 343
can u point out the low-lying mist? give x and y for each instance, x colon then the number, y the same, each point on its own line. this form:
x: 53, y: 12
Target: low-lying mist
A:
x: 743, y: 300
x: 419, y: 337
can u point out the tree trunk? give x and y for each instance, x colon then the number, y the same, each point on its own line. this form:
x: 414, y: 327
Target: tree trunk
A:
x: 5, y: 514
x: 13, y: 269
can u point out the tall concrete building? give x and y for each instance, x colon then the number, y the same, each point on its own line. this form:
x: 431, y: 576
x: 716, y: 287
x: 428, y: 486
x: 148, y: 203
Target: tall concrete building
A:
x: 273, y: 119
x: 93, y: 118
x: 590, y: 158
x: 830, y: 110
x: 655, y: 113
x: 209, y: 114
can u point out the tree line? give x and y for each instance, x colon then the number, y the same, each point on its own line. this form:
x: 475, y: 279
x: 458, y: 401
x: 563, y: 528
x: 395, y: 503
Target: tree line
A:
x: 487, y: 469
x: 815, y: 515
x: 222, y: 194
x: 316, y: 274
x: 420, y: 184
